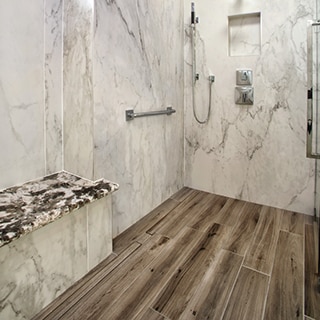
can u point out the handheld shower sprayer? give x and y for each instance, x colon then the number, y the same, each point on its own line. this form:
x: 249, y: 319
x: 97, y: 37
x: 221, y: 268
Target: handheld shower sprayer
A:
x: 195, y: 75
x: 192, y: 13
x: 194, y: 19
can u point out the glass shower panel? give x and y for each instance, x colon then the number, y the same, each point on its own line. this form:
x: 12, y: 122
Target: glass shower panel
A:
x: 313, y: 131
x: 313, y: 90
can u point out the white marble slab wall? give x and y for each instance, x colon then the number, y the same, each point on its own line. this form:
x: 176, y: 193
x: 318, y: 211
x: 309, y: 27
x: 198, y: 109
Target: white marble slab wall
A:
x: 99, y: 232
x: 21, y: 91
x: 53, y: 85
x: 257, y: 152
x: 32, y: 276
x: 77, y: 87
x: 138, y: 63
x: 38, y: 267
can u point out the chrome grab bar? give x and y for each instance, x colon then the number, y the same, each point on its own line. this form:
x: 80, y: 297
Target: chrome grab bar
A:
x: 130, y: 114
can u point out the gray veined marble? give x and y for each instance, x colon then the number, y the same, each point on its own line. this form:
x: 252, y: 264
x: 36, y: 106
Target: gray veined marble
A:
x: 251, y: 152
x: 34, y: 204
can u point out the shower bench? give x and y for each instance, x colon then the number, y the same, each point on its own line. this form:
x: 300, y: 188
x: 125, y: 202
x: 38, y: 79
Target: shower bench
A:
x: 53, y: 230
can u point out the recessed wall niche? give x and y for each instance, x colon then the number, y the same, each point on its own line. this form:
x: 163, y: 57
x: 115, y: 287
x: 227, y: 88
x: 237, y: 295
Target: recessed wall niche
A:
x: 244, y: 34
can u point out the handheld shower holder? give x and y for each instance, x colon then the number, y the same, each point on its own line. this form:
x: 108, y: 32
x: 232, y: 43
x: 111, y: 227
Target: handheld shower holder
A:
x: 196, y: 21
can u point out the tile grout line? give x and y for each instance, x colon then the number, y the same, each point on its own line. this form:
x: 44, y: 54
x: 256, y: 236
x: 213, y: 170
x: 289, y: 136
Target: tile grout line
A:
x: 271, y: 272
x: 242, y: 265
x: 258, y: 271
x: 159, y: 313
x: 233, y: 286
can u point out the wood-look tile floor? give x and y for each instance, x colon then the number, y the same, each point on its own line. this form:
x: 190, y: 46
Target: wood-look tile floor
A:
x: 202, y: 256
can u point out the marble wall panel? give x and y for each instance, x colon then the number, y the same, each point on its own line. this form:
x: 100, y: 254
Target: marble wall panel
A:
x: 244, y: 36
x: 53, y: 84
x: 41, y: 265
x: 138, y: 63
x: 255, y: 153
x: 32, y: 275
x: 21, y: 91
x: 99, y: 231
x: 77, y: 87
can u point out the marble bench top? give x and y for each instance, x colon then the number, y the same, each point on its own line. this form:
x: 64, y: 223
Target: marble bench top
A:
x: 36, y: 203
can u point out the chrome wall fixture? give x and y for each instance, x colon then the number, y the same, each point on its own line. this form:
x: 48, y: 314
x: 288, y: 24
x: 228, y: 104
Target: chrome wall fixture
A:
x: 130, y: 114
x: 195, y: 75
x: 244, y: 90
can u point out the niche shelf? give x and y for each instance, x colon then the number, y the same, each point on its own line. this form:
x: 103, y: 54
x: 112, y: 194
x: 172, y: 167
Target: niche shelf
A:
x: 244, y: 34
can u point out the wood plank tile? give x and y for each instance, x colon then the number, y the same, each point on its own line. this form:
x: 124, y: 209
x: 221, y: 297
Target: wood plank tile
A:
x: 316, y: 242
x: 151, y: 314
x: 248, y: 296
x: 206, y: 218
x: 75, y: 293
x: 285, y: 296
x: 111, y: 286
x: 244, y: 228
x: 137, y: 232
x: 211, y: 295
x: 182, y: 214
x: 312, y: 296
x: 230, y: 212
x: 262, y: 249
x: 144, y: 290
x: 182, y: 284
x: 293, y: 222
x: 308, y: 219
x: 185, y: 273
x: 183, y: 194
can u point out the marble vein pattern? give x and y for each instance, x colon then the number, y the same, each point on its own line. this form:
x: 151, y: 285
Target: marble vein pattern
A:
x: 138, y: 63
x: 38, y: 267
x: 21, y: 91
x: 34, y: 204
x: 53, y: 46
x: 255, y: 153
x: 77, y: 87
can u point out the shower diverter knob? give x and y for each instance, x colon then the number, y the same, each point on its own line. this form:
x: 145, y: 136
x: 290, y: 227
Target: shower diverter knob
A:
x: 244, y: 95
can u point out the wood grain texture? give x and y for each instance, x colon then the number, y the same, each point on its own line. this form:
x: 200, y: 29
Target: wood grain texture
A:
x: 90, y: 281
x: 248, y: 296
x: 312, y: 296
x: 285, y: 297
x: 152, y: 280
x: 211, y: 296
x: 243, y: 230
x: 138, y: 231
x: 316, y: 235
x: 186, y: 259
x: 207, y: 217
x: 183, y: 194
x: 183, y: 282
x: 293, y: 222
x: 230, y: 212
x: 185, y: 213
x: 115, y: 283
x: 262, y: 249
x: 150, y: 314
x: 308, y: 219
